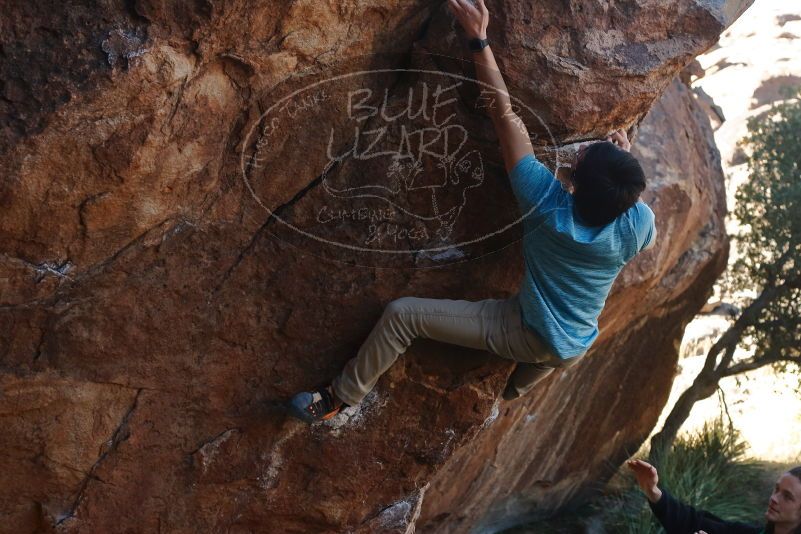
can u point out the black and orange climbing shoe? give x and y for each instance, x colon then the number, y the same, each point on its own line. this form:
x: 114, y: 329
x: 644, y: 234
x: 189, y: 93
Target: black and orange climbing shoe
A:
x: 316, y: 405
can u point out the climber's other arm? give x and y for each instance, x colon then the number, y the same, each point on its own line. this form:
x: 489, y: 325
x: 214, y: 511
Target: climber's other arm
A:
x: 512, y: 133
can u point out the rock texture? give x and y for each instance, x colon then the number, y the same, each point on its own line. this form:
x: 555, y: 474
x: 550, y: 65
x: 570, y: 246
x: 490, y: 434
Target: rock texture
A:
x: 156, y: 306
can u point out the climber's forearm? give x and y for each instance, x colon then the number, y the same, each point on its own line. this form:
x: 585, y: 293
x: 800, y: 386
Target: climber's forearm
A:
x: 511, y: 130
x: 473, y: 16
x: 512, y: 134
x: 494, y: 93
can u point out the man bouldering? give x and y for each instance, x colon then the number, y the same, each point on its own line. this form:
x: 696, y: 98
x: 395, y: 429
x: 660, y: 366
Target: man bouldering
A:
x: 783, y: 515
x: 575, y: 244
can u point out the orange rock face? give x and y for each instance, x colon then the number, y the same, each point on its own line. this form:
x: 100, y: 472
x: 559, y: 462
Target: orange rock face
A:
x: 204, y: 210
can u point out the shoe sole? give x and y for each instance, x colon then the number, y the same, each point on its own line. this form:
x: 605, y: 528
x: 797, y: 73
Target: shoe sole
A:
x: 301, y: 414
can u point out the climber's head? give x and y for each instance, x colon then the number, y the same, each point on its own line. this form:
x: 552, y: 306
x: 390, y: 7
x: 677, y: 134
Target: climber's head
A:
x: 607, y: 181
x: 784, y: 507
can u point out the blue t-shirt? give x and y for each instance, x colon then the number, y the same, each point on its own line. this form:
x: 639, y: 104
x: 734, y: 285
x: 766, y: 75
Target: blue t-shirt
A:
x: 569, y: 267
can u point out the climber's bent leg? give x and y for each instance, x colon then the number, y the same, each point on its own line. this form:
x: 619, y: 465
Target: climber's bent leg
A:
x: 490, y: 324
x: 460, y: 322
x: 524, y: 377
x: 526, y: 374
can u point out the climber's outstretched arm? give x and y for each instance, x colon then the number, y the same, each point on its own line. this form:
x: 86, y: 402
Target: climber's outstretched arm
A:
x: 512, y: 133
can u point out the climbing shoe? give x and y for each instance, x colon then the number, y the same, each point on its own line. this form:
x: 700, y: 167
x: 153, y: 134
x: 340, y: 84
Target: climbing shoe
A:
x: 316, y: 405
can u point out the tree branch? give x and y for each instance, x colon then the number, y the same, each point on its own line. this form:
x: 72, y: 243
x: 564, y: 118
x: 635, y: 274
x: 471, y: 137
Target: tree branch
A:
x: 746, y: 366
x: 731, y: 337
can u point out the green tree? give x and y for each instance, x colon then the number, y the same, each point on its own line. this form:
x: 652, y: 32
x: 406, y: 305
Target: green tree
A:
x: 768, y: 207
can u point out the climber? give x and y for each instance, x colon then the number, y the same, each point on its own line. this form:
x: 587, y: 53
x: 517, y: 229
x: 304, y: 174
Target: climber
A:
x: 783, y: 515
x: 574, y: 246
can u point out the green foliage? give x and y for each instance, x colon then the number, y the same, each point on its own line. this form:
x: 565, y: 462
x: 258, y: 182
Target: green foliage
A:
x: 708, y: 470
x: 768, y: 206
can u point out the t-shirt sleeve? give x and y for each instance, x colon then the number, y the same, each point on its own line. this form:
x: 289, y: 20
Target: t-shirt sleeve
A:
x: 532, y: 182
x: 644, y: 223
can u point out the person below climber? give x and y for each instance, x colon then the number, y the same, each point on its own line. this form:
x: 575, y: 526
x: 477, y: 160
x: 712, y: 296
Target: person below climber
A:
x: 574, y: 246
x: 783, y: 515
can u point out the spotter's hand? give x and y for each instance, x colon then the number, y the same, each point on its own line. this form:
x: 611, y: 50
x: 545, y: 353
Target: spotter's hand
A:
x: 647, y: 478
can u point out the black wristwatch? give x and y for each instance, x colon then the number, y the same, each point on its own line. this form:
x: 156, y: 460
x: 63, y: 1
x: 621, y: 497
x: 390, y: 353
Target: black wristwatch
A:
x: 477, y: 44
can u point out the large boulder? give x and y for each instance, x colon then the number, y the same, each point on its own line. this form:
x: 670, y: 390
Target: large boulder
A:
x: 175, y: 263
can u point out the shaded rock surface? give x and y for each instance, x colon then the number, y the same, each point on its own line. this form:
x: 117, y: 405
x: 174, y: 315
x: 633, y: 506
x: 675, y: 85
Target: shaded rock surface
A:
x: 156, y: 305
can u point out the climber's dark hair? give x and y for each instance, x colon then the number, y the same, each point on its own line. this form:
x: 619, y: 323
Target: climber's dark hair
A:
x: 608, y: 181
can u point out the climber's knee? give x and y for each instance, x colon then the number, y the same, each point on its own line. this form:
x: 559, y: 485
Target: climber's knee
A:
x: 398, y: 306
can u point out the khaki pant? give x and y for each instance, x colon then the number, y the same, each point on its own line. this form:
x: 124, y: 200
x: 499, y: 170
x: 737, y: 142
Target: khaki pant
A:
x: 494, y: 325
